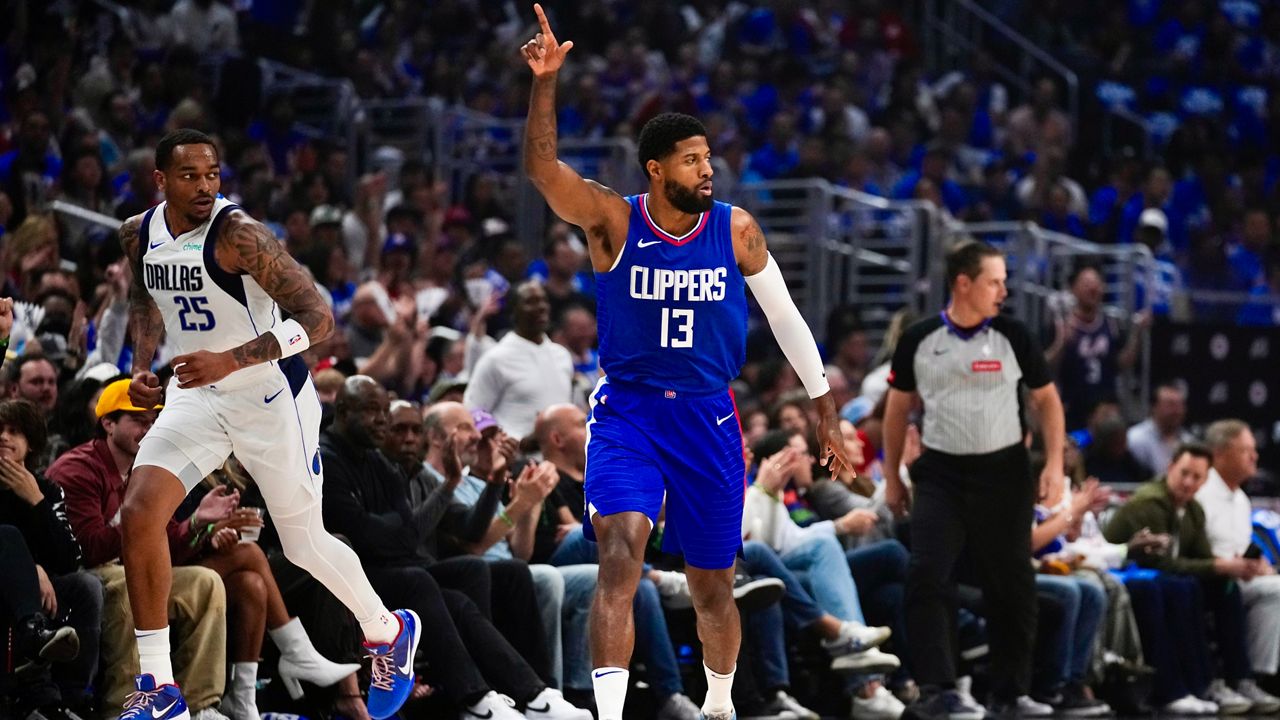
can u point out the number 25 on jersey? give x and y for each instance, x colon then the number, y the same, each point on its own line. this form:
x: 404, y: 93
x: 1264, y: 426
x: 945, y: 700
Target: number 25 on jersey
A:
x: 677, y: 328
x: 194, y: 316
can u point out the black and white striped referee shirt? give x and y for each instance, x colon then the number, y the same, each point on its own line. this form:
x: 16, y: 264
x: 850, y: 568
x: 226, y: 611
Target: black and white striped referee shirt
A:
x: 968, y: 379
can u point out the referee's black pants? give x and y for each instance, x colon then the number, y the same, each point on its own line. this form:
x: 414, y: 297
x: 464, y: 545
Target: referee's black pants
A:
x: 981, y: 506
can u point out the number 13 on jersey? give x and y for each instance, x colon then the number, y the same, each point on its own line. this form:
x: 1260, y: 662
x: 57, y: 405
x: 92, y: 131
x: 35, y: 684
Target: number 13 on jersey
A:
x: 677, y: 328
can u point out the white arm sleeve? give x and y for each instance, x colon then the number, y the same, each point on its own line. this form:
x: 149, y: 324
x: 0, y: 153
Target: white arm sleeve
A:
x: 789, y: 328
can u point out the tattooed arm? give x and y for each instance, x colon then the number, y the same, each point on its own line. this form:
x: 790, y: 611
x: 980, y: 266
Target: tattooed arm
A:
x: 146, y: 324
x: 246, y: 245
x: 600, y: 211
x: 748, y: 242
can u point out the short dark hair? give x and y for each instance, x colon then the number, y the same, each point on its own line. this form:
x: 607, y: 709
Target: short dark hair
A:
x: 174, y: 138
x: 1194, y: 449
x: 659, y: 136
x: 15, y: 371
x: 24, y: 417
x: 966, y: 259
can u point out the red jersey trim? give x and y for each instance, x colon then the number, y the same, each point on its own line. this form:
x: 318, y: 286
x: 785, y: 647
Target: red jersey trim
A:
x: 663, y: 234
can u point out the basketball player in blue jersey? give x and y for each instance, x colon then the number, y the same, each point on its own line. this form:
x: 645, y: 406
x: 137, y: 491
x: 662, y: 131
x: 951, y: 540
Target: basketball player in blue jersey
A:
x: 672, y: 266
x: 214, y: 280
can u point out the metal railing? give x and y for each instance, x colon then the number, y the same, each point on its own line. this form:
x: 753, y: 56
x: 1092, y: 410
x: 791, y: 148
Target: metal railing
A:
x: 837, y: 246
x: 954, y: 30
x: 1041, y: 261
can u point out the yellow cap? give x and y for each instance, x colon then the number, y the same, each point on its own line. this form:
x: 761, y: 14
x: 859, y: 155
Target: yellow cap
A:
x: 116, y: 397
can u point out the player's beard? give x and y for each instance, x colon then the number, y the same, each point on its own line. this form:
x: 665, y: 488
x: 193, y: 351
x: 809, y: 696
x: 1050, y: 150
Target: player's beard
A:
x: 684, y: 199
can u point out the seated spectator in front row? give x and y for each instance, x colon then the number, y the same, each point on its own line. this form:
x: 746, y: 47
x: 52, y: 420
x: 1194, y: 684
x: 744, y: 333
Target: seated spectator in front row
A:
x: 1167, y: 505
x: 509, y: 540
x: 93, y: 478
x: 366, y: 499
x: 1229, y: 523
x: 93, y: 475
x: 1080, y: 594
x: 814, y: 552
x: 54, y: 607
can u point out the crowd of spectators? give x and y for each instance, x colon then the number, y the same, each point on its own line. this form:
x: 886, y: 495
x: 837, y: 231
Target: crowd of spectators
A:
x: 456, y: 386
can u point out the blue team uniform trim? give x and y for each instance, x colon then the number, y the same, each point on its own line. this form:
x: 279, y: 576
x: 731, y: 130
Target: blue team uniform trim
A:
x: 231, y: 283
x: 144, y: 235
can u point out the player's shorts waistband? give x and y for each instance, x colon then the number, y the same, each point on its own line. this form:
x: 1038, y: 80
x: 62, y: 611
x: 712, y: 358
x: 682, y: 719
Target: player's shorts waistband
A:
x: 668, y: 393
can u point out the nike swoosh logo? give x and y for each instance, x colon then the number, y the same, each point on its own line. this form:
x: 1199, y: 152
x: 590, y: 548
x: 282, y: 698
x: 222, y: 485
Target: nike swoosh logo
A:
x: 942, y: 352
x: 272, y: 397
x: 644, y: 244
x: 720, y: 421
x: 407, y: 668
x: 488, y: 714
x: 546, y: 707
x: 153, y: 246
x: 158, y: 713
x: 611, y: 672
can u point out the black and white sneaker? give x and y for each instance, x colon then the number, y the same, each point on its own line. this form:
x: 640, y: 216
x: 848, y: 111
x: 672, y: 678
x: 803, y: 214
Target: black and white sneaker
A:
x: 756, y: 593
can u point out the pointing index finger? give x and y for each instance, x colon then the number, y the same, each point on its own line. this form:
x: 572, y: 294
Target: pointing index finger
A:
x: 542, y: 22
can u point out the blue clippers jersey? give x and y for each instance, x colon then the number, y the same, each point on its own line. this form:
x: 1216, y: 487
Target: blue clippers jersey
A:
x: 673, y: 311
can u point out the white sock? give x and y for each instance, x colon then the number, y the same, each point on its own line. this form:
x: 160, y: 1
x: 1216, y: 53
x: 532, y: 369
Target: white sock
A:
x: 719, y: 692
x: 611, y: 691
x: 153, y: 654
x: 381, y: 628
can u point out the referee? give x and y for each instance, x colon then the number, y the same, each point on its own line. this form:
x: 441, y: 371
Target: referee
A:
x: 973, y: 485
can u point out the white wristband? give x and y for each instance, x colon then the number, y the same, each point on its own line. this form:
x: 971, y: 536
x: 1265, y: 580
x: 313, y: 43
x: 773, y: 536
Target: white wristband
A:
x: 292, y: 337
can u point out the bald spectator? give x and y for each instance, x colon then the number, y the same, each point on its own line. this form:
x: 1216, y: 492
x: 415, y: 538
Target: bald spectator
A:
x: 1152, y: 441
x: 526, y: 371
x: 1228, y: 520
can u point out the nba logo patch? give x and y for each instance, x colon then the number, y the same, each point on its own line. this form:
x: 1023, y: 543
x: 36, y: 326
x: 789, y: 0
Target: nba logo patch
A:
x: 315, y: 463
x: 669, y: 394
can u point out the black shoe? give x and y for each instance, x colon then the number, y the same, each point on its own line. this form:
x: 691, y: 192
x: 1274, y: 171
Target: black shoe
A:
x: 38, y: 644
x: 1075, y: 703
x: 756, y: 593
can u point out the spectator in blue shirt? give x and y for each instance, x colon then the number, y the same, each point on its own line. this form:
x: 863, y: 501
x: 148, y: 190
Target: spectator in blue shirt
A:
x: 933, y: 167
x: 781, y: 154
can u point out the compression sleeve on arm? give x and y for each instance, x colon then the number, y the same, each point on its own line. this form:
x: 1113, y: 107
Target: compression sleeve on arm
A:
x: 293, y: 338
x: 789, y: 327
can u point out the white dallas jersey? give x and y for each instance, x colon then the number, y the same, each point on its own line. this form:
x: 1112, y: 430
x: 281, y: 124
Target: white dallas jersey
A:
x: 205, y: 307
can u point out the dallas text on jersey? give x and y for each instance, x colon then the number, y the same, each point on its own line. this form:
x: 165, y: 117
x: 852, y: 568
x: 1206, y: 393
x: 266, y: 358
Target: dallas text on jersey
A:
x: 175, y: 278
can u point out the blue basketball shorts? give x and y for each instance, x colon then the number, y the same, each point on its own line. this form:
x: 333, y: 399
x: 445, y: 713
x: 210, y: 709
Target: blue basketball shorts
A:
x: 646, y: 444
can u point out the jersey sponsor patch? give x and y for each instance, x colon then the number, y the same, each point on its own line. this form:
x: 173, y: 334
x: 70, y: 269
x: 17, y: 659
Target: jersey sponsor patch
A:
x: 986, y: 366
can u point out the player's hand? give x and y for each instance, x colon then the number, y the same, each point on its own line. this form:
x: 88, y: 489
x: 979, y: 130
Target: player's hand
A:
x: 831, y: 452
x: 145, y: 390
x: 6, y: 317
x: 543, y: 53
x: 202, y: 368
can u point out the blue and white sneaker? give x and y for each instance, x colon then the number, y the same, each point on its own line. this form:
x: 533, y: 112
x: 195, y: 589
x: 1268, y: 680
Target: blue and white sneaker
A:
x: 154, y: 703
x: 391, y: 676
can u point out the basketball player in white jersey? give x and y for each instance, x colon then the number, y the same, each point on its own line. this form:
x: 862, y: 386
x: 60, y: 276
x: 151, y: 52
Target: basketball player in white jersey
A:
x: 215, y: 281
